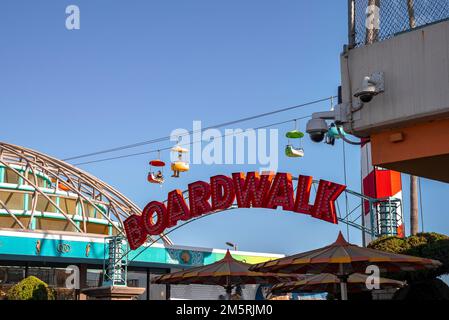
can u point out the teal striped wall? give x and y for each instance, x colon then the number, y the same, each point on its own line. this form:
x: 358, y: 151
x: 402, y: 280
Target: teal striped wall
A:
x: 27, y: 248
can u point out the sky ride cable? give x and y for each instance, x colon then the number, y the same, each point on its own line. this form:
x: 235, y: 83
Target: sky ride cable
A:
x: 138, y: 144
x: 184, y: 144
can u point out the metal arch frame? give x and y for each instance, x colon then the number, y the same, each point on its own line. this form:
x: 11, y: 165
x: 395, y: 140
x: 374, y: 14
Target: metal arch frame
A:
x: 85, y: 187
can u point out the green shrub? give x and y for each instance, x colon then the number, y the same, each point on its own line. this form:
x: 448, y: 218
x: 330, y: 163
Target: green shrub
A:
x: 31, y: 288
x: 390, y: 244
x: 425, y: 245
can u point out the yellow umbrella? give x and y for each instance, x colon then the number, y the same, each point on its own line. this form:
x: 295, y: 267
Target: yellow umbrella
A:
x: 330, y: 283
x: 342, y: 259
x: 227, y: 272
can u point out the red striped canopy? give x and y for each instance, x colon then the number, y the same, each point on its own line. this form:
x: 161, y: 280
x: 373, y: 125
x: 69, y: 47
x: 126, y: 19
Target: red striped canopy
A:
x: 327, y: 282
x: 344, y: 258
x: 225, y: 272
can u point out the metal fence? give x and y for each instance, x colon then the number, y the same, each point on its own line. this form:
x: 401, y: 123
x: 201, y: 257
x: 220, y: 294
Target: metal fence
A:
x: 377, y: 20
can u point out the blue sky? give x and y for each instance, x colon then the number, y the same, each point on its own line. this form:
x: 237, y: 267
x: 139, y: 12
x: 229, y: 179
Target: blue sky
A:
x: 136, y: 70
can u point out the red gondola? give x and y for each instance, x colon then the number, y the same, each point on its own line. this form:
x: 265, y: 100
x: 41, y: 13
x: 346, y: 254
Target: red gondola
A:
x: 156, y: 177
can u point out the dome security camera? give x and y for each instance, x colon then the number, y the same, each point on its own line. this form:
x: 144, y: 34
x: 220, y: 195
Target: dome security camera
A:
x: 371, y: 85
x: 316, y: 128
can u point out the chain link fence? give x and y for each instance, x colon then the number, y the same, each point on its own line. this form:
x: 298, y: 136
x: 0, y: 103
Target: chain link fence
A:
x: 377, y: 20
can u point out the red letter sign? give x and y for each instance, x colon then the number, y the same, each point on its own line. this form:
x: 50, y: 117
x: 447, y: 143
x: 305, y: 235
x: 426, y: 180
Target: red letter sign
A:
x: 134, y: 231
x: 303, y: 195
x: 199, y: 194
x: 176, y: 208
x: 324, y: 207
x: 281, y: 192
x: 252, y: 190
x: 222, y: 191
x: 154, y: 218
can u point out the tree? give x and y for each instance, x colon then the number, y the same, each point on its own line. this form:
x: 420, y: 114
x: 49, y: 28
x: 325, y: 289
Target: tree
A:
x: 426, y: 245
x: 423, y: 284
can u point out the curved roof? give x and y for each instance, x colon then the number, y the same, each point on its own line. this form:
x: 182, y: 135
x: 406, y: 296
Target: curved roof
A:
x: 84, y: 186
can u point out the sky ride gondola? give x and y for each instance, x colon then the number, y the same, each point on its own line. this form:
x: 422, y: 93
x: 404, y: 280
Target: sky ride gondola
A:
x: 61, y: 186
x: 179, y: 165
x: 156, y: 177
x: 292, y: 151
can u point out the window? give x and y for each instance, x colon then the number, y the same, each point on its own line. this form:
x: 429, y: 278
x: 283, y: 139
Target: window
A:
x: 40, y: 180
x: 9, y: 222
x: 60, y: 277
x: 44, y: 274
x: 94, y: 278
x: 11, y: 275
x: 54, y: 224
x: 11, y: 176
x: 43, y: 205
x: 157, y: 291
x: 97, y: 228
x: 89, y: 210
x: 13, y: 200
x: 138, y: 279
x: 55, y: 277
x: 68, y: 205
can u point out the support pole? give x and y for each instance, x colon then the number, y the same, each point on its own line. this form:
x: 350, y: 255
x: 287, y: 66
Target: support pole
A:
x: 228, y: 292
x: 372, y: 21
x: 351, y: 24
x: 411, y: 13
x: 343, y: 283
x: 414, y: 223
x: 344, y: 288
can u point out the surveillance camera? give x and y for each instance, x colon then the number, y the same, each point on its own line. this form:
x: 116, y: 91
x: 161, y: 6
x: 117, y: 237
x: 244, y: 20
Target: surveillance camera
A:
x: 316, y: 128
x: 317, y: 137
x: 371, y: 85
x: 365, y: 96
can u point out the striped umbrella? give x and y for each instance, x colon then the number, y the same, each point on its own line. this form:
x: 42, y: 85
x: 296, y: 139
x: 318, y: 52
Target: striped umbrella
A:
x: 342, y: 258
x: 327, y: 282
x: 227, y: 272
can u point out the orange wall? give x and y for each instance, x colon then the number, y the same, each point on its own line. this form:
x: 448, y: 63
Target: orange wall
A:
x: 422, y: 140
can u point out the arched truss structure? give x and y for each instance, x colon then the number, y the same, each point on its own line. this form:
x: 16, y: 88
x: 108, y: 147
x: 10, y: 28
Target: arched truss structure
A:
x: 67, y: 180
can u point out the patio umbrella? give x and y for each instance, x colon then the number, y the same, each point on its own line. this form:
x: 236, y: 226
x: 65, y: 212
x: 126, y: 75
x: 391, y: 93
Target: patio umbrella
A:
x: 342, y: 259
x: 330, y: 283
x: 227, y: 272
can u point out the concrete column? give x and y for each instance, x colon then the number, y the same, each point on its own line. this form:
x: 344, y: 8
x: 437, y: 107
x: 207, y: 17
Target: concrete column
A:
x: 414, y: 224
x: 83, y: 282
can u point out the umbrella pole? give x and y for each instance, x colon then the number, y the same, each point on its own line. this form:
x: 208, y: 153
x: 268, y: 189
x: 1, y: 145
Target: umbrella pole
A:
x: 344, y: 287
x: 228, y: 288
x: 343, y: 283
x: 228, y: 292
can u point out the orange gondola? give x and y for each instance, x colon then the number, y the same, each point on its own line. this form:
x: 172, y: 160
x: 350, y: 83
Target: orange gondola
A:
x: 179, y: 165
x: 63, y: 187
x: 60, y: 185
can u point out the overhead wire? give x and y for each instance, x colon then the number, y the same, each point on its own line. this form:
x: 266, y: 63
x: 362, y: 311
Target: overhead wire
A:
x: 185, y: 144
x: 161, y: 139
